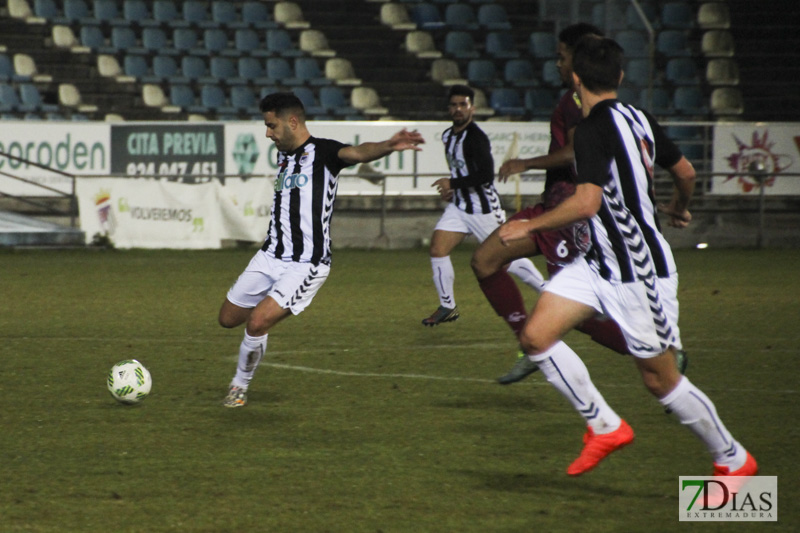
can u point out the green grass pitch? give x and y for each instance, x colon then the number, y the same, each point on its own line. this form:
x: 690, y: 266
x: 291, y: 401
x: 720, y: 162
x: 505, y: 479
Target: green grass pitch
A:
x: 360, y: 419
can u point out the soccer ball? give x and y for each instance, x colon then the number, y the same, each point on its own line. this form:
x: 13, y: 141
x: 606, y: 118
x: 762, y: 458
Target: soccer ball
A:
x: 129, y: 381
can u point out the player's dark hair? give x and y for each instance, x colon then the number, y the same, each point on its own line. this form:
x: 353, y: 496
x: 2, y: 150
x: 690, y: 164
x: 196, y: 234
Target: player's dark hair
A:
x: 462, y: 90
x: 572, y: 34
x: 598, y: 63
x: 280, y: 103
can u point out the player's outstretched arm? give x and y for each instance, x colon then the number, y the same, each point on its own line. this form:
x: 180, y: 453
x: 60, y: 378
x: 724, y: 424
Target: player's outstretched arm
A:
x: 562, y: 157
x: 370, y: 151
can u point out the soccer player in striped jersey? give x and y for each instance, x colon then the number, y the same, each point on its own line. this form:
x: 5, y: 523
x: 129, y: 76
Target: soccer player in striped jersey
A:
x: 628, y: 273
x: 474, y: 206
x: 285, y: 275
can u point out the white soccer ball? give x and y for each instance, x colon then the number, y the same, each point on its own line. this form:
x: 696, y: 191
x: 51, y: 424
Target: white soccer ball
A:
x: 129, y: 381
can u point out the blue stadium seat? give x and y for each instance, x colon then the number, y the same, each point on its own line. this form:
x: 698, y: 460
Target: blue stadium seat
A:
x: 608, y: 21
x: 278, y: 70
x: 500, y: 45
x: 196, y: 13
x: 307, y: 71
x: 92, y: 36
x: 136, y: 11
x: 540, y: 101
x: 136, y: 66
x: 482, y: 73
x: 677, y: 15
x: 256, y: 14
x: 542, y: 45
x: 247, y: 42
x: 107, y: 11
x: 334, y: 101
x: 682, y: 71
x: 306, y: 95
x: 46, y: 9
x: 427, y: 16
x: 280, y: 43
x: 506, y: 101
x: 166, y: 12
x: 165, y: 68
x: 520, y: 73
x: 213, y: 97
x: 77, y: 11
x: 223, y: 13
x: 194, y: 68
x: 493, y: 17
x: 7, y: 72
x: 224, y: 70
x: 215, y: 41
x: 155, y: 40
x: 252, y: 69
x: 461, y: 45
x: 183, y: 96
x: 661, y: 103
x: 634, y: 43
x: 637, y: 72
x: 30, y: 96
x: 673, y: 43
x: 186, y: 41
x: 10, y: 100
x: 689, y: 100
x: 460, y: 17
x: 243, y: 98
x: 124, y: 40
x: 550, y: 74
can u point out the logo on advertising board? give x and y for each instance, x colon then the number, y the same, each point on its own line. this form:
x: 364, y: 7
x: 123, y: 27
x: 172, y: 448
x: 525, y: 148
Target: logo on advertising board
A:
x: 757, y: 157
x: 105, y: 212
x: 728, y: 499
x: 245, y: 154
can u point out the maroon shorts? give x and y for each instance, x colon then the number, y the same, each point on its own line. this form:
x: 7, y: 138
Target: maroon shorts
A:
x: 559, y: 247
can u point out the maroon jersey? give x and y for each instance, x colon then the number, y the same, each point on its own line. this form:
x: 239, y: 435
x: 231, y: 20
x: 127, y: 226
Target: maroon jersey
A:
x: 565, y: 117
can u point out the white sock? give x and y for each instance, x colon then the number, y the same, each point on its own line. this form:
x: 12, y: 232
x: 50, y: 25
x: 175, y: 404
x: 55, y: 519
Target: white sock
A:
x: 566, y: 372
x: 250, y: 353
x: 527, y: 272
x: 443, y: 279
x: 695, y: 410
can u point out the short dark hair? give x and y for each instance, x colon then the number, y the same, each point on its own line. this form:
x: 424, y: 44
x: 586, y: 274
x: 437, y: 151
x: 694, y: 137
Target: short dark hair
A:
x: 572, y: 34
x: 598, y: 63
x: 280, y: 103
x: 461, y: 90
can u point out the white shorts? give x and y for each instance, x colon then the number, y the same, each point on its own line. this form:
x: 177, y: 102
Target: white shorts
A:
x: 291, y: 285
x: 628, y: 304
x: 455, y: 220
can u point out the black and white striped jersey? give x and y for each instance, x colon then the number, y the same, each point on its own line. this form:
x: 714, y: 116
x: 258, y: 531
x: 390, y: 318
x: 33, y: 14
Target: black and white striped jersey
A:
x: 616, y: 147
x: 305, y: 188
x: 469, y: 156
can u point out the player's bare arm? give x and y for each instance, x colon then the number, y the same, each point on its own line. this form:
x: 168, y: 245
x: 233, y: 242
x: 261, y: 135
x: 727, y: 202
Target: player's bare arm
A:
x: 370, y: 151
x: 684, y: 177
x: 562, y: 157
x: 582, y: 205
x: 443, y: 188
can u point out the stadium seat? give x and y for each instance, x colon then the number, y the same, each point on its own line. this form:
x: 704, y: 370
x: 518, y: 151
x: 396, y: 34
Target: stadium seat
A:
x: 308, y: 72
x: 506, y: 101
x: 542, y: 45
x: 420, y: 43
x: 673, y: 43
x: 367, y: 100
x: 637, y: 72
x: 460, y: 44
x: 186, y: 41
x: 243, y: 98
x: 124, y: 40
x: 650, y: 10
x: 46, y: 9
x: 164, y: 68
x: 290, y: 15
x: 713, y: 16
x: 107, y: 11
x: 482, y: 73
x: 481, y: 104
x: 9, y: 99
x: 193, y: 68
x: 136, y: 11
x: 92, y: 37
x: 314, y: 42
x: 63, y: 37
x: 540, y: 101
x: 550, y: 74
x: 166, y: 12
x: 634, y: 43
x: 446, y: 72
x: 427, y: 16
x: 31, y: 97
x: 70, y: 96
x: 682, y: 71
x: 223, y: 69
x: 153, y: 96
x: 7, y: 71
x: 460, y: 17
x: 689, y: 100
x: 19, y: 9
x: 213, y: 97
x: 77, y: 11
x: 182, y: 96
x: 280, y: 43
x: 610, y: 20
x: 334, y: 101
x: 396, y: 17
x: 727, y: 101
x: 660, y: 104
x: 341, y: 72
x: 500, y: 45
x: 717, y: 43
x: 278, y: 70
x: 155, y: 40
x: 252, y: 69
x: 256, y: 14
x: 196, y: 13
x: 136, y: 66
x: 677, y: 15
x: 246, y: 41
x: 223, y: 13
x: 493, y: 17
x: 722, y: 72
x: 26, y: 69
x: 306, y: 95
x: 215, y: 42
x: 520, y: 73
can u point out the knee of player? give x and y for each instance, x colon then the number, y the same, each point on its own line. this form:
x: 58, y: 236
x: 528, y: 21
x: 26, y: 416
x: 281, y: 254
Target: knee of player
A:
x: 532, y: 343
x: 480, y: 265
